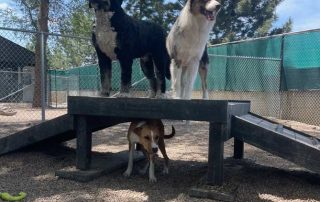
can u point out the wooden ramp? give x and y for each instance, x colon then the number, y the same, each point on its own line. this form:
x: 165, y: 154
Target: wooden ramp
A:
x: 62, y: 126
x: 295, y: 146
x: 59, y: 129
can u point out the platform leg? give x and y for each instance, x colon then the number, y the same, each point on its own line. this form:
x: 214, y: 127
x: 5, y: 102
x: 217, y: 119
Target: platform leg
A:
x: 215, y: 154
x: 238, y: 149
x: 84, y: 143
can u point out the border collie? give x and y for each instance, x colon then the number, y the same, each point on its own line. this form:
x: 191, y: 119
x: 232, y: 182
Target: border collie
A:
x: 117, y: 36
x: 186, y: 43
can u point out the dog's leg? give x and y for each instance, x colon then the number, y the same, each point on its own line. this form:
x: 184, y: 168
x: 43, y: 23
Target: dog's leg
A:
x: 152, y: 177
x: 105, y: 73
x: 175, y: 79
x: 173, y: 71
x: 160, y: 62
x: 128, y: 172
x: 147, y: 67
x: 165, y: 156
x: 203, y: 70
x: 126, y: 73
x: 188, y: 78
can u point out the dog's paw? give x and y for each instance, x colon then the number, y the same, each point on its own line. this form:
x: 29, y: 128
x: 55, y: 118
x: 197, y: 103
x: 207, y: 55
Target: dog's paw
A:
x: 127, y: 173
x: 162, y: 96
x: 123, y: 95
x: 152, y: 94
x: 152, y: 179
x: 205, y: 96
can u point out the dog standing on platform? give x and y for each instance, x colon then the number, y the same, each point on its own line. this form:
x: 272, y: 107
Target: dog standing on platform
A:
x: 186, y: 43
x: 117, y: 36
x: 149, y: 134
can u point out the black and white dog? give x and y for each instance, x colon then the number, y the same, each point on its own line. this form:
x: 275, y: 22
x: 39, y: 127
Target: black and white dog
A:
x: 186, y: 44
x: 117, y: 36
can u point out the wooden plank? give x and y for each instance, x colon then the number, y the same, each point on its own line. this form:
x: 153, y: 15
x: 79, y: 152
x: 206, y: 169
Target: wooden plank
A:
x: 100, y: 122
x: 200, y: 110
x: 215, y: 154
x: 238, y: 149
x: 276, y: 143
x: 37, y: 133
x: 210, y: 193
x: 235, y: 109
x: 84, y: 143
x: 53, y: 131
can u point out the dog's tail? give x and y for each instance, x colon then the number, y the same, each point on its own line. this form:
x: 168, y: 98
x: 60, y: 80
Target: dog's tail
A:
x: 171, y: 135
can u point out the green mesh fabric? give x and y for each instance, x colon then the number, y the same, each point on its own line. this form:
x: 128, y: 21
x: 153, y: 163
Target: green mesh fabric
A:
x: 301, y: 61
x: 245, y: 66
x: 253, y: 65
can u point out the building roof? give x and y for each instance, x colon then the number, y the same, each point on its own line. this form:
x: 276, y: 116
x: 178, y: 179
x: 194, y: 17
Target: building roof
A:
x: 14, y: 54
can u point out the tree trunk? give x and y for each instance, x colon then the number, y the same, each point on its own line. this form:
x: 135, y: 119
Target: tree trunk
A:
x: 42, y: 27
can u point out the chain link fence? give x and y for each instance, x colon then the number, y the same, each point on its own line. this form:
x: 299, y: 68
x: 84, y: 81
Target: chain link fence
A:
x: 255, y: 70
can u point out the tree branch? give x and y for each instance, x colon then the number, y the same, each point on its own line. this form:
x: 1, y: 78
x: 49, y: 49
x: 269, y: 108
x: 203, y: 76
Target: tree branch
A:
x: 33, y: 22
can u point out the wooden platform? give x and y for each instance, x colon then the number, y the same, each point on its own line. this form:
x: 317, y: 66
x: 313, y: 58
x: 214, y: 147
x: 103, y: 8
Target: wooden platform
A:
x: 217, y: 112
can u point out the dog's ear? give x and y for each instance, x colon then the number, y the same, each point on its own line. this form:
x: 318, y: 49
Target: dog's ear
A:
x: 90, y: 5
x: 138, y: 127
x: 120, y: 2
x: 137, y: 130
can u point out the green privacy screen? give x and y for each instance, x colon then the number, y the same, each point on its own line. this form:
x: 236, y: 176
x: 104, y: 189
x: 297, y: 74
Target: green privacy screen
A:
x: 302, y: 61
x: 245, y: 66
x: 254, y: 65
x: 88, y: 78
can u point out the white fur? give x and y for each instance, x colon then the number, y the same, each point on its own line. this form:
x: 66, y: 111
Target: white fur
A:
x: 134, y: 138
x: 105, y: 34
x: 152, y: 177
x: 185, y: 43
x: 128, y: 172
x: 153, y: 142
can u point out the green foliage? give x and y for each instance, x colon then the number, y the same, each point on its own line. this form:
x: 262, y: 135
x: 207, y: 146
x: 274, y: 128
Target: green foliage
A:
x: 242, y: 19
x: 159, y: 11
x: 72, y: 52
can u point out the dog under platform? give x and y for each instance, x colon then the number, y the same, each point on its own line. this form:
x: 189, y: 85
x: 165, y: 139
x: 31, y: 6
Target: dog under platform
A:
x: 101, y: 164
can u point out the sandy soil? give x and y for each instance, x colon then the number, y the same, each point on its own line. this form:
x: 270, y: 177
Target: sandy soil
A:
x: 259, y: 177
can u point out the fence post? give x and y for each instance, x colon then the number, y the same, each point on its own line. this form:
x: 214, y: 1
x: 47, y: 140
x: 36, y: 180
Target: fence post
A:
x: 283, y: 84
x: 43, y: 82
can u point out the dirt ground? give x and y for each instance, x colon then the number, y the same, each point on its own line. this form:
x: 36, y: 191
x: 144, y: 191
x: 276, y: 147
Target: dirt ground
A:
x: 259, y: 177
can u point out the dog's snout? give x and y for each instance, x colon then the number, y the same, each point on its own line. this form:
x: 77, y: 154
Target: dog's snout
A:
x: 155, y: 150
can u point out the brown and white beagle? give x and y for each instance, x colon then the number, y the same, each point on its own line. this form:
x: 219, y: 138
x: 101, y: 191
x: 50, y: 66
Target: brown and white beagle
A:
x: 149, y: 134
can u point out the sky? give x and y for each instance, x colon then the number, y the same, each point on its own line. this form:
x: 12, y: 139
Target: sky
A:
x: 304, y: 13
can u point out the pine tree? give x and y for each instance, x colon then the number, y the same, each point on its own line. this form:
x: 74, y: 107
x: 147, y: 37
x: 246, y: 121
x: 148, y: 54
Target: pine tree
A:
x: 242, y: 19
x: 159, y: 11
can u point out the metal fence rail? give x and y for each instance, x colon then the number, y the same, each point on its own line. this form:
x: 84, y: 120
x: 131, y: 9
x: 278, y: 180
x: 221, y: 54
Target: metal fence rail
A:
x: 69, y: 67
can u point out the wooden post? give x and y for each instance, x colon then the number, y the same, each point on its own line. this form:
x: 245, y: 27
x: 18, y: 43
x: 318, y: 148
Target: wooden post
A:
x: 238, y: 149
x: 215, y: 154
x: 84, y: 142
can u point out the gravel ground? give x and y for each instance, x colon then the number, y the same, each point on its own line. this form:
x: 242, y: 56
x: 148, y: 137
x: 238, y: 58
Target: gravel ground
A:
x: 259, y: 177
